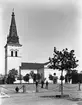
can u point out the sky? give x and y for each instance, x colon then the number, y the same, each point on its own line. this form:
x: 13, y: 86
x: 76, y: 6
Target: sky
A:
x: 41, y: 26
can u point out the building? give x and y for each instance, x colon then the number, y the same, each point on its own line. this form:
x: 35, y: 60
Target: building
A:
x: 13, y: 54
x: 12, y: 48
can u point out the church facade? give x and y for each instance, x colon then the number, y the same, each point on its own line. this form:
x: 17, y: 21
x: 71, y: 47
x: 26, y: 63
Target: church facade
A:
x: 13, y: 54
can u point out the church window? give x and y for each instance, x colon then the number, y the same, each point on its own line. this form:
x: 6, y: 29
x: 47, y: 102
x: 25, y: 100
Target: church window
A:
x: 12, y: 53
x: 15, y: 53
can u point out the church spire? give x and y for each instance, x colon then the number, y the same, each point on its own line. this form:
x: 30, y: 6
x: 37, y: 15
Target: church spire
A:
x: 13, y: 37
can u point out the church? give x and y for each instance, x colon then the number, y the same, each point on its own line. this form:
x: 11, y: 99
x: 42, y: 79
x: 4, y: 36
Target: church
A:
x: 13, y: 55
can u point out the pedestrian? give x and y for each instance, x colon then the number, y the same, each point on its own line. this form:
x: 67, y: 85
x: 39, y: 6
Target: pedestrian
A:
x: 36, y: 86
x: 17, y: 89
x: 47, y: 84
x: 24, y: 88
x: 42, y: 84
x: 79, y: 86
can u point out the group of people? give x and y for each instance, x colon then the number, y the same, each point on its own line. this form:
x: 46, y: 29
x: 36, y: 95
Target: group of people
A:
x: 42, y: 84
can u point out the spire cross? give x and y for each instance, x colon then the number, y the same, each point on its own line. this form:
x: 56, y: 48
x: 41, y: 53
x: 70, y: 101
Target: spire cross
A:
x: 13, y: 10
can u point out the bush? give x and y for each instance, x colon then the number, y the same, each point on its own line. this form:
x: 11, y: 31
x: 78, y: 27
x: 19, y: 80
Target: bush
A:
x: 50, y: 77
x: 26, y: 78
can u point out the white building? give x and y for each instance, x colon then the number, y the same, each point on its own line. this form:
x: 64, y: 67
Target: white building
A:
x: 13, y: 55
x: 12, y: 48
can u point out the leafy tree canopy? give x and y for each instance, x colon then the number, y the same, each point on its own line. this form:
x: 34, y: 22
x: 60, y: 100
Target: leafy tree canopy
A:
x: 13, y: 72
x: 26, y: 78
x: 63, y: 60
x: 11, y: 76
x: 50, y: 77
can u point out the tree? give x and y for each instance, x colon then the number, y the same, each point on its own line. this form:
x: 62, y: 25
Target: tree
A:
x: 13, y: 72
x: 11, y: 76
x: 74, y: 76
x: 63, y: 60
x: 2, y: 79
x: 26, y: 78
x: 50, y: 77
x: 10, y: 79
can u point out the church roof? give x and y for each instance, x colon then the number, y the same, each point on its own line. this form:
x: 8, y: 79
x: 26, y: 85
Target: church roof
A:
x: 13, y: 37
x: 32, y: 65
x: 13, y: 44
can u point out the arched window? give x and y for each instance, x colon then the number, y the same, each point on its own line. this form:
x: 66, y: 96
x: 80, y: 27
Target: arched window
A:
x: 15, y: 53
x: 12, y: 53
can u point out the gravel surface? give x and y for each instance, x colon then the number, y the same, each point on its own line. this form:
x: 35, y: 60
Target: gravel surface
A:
x: 43, y: 97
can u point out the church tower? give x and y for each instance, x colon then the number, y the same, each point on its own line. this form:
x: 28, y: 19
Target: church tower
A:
x: 12, y: 48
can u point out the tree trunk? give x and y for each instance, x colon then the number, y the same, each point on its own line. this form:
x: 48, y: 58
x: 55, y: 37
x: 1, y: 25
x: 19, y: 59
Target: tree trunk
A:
x: 61, y: 84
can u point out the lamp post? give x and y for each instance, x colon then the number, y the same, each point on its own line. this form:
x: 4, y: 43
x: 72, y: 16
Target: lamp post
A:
x: 20, y: 74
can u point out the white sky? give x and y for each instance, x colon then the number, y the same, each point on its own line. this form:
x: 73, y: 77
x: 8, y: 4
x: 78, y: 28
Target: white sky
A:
x: 41, y: 26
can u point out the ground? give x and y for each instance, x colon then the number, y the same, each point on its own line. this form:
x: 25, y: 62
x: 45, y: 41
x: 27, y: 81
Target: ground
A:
x: 43, y: 97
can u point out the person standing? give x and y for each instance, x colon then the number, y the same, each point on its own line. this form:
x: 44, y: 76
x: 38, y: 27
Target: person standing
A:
x: 47, y: 84
x: 24, y: 88
x: 42, y: 84
x: 36, y: 86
